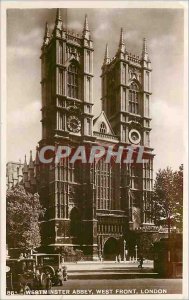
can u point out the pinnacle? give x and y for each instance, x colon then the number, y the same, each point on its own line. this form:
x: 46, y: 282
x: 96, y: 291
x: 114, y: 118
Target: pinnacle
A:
x: 86, y: 25
x: 58, y: 15
x: 47, y: 33
x: 144, y: 46
x: 106, y: 56
x: 121, y: 42
x: 30, y: 155
x: 145, y: 51
x: 58, y: 21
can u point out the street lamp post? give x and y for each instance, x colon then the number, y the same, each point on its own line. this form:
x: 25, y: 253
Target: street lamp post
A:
x: 136, y: 249
x: 124, y: 244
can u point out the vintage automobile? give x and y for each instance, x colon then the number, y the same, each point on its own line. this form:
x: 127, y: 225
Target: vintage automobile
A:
x: 23, y: 274
x: 37, y: 272
x: 49, y: 264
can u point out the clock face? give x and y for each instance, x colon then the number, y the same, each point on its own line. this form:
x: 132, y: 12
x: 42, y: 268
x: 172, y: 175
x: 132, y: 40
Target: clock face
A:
x: 134, y: 136
x: 74, y: 124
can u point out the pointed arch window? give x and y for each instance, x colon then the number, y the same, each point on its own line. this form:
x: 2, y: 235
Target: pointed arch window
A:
x: 73, y: 81
x: 134, y: 98
x: 103, y: 128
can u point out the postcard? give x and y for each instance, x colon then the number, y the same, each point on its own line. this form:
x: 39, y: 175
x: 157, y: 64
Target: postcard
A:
x: 94, y: 150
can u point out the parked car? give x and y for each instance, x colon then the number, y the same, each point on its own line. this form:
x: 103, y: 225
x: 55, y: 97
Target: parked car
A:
x: 23, y: 274
x: 50, y: 264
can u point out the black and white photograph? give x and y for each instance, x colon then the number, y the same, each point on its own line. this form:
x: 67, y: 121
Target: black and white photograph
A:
x: 94, y: 151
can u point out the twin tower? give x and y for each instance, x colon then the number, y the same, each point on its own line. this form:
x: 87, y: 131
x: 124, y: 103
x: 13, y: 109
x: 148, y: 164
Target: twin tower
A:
x: 67, y: 83
x: 94, y: 207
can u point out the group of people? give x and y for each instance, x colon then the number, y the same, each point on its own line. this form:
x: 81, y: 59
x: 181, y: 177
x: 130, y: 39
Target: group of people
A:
x: 140, y: 260
x: 24, y: 255
x: 60, y: 276
x: 118, y: 258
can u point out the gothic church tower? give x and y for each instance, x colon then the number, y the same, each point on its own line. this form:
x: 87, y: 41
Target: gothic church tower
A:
x: 67, y: 102
x: 67, y: 81
x: 126, y: 93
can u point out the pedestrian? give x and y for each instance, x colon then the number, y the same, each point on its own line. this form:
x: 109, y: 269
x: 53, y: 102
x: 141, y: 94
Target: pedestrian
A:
x: 126, y: 255
x: 21, y: 256
x: 49, y: 281
x: 37, y: 278
x: 64, y: 273
x: 59, y: 277
x: 141, y: 260
x: 62, y: 259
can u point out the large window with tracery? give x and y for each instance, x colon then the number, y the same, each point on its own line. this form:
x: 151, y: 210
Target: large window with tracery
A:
x: 111, y: 90
x: 105, y: 186
x: 134, y: 98
x: 73, y: 81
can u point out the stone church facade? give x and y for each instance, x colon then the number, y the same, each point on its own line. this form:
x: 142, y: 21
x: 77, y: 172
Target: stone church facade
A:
x: 95, y: 206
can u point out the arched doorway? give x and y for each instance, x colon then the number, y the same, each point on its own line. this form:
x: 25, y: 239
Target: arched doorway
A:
x: 111, y: 249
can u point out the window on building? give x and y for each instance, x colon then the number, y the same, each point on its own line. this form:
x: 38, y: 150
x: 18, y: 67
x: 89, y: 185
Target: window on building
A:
x: 147, y: 139
x: 134, y: 98
x: 88, y: 126
x: 124, y: 100
x: 72, y: 83
x: 147, y: 81
x: 88, y: 62
x: 111, y: 92
x: 103, y: 128
x: 124, y: 73
x: 88, y: 89
x: 147, y: 106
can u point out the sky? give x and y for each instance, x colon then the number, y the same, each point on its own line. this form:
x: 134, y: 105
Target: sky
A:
x: 163, y: 30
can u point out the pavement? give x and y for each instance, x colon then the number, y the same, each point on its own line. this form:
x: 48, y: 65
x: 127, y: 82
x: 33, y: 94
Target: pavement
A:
x: 110, y: 270
x: 91, y: 265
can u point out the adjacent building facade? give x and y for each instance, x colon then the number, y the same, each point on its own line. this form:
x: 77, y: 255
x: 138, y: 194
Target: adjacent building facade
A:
x: 95, y: 206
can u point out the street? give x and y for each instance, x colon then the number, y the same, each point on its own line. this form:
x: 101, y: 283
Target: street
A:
x: 117, y: 279
x: 120, y: 287
x: 110, y: 278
